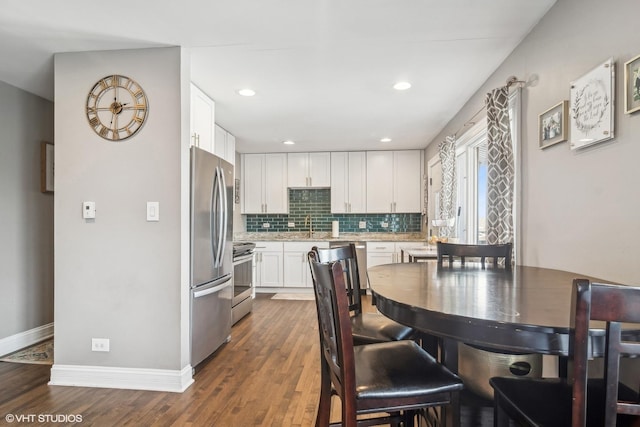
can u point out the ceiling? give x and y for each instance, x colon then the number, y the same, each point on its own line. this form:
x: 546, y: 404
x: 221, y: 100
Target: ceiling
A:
x: 323, y: 70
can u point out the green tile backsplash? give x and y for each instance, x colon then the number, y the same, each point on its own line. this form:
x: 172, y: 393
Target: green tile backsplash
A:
x: 317, y: 203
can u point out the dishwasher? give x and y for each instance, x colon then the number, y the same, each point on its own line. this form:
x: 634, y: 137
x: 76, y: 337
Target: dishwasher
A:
x: 361, y: 257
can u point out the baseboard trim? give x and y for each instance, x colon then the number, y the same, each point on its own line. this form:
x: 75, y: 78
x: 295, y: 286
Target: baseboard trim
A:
x: 122, y: 378
x: 24, y: 339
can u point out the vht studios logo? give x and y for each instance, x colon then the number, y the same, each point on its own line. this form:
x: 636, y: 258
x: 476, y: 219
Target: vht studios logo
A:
x: 42, y: 418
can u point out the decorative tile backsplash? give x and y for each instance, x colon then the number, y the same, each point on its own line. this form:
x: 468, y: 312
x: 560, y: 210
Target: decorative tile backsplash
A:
x: 317, y: 203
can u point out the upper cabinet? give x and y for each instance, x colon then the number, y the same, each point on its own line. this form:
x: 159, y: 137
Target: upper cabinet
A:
x: 309, y: 170
x: 202, y: 119
x: 396, y: 177
x: 264, y: 183
x: 224, y: 145
x: 349, y: 182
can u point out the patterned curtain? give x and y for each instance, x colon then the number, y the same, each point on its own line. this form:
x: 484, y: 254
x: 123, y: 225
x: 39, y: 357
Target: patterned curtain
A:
x: 448, y: 191
x: 500, y: 168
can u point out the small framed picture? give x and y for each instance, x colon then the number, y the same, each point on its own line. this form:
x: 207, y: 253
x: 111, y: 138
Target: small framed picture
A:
x: 553, y: 125
x: 632, y: 85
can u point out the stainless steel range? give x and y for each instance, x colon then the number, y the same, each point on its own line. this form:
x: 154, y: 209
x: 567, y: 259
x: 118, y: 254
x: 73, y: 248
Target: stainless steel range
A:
x: 243, y: 291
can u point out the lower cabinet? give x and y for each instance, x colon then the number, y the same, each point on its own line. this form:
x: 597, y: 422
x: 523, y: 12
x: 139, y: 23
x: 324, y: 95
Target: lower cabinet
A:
x: 387, y: 252
x: 297, y: 273
x: 269, y: 267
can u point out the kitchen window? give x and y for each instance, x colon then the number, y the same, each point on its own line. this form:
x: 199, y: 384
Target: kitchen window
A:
x: 471, y: 172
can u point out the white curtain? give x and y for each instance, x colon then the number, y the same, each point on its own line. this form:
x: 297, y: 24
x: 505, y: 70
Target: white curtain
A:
x: 501, y: 168
x: 448, y: 191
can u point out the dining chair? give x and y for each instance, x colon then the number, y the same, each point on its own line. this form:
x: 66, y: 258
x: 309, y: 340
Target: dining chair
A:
x: 394, y: 379
x: 463, y: 251
x: 367, y: 328
x: 581, y: 401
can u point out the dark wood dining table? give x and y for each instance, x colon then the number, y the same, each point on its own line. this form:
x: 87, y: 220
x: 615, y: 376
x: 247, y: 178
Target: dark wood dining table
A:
x: 522, y: 310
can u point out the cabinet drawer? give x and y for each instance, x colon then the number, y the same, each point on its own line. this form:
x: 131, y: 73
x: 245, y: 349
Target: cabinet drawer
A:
x: 381, y: 247
x: 268, y: 246
x: 303, y: 246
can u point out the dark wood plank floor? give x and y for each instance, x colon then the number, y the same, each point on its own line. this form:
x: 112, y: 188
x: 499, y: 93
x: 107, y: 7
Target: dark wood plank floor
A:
x: 268, y: 375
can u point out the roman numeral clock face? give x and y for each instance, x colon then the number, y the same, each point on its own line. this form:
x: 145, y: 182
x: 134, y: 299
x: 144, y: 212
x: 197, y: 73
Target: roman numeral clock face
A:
x: 116, y: 107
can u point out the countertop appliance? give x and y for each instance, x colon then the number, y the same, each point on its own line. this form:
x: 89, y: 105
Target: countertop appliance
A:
x: 211, y: 253
x: 243, y: 289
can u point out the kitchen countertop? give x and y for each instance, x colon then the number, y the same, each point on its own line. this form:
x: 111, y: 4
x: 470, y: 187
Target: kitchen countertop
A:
x: 325, y: 235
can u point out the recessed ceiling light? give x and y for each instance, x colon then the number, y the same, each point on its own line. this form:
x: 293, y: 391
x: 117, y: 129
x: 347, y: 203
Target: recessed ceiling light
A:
x: 385, y: 140
x: 288, y: 142
x: 402, y: 86
x: 247, y: 92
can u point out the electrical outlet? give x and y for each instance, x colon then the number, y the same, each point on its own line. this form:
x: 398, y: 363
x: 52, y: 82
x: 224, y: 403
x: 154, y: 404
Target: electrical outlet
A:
x: 266, y: 225
x: 291, y: 224
x: 100, y: 344
x: 362, y: 224
x: 384, y: 224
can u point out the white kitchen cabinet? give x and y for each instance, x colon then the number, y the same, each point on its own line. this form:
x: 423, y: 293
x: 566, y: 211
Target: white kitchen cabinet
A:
x: 269, y: 265
x: 387, y: 252
x: 309, y: 170
x: 224, y: 145
x: 349, y: 182
x: 202, y: 119
x: 297, y: 273
x: 396, y: 177
x: 264, y: 178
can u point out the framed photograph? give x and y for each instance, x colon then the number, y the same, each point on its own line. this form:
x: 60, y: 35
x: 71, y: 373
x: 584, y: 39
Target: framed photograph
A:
x: 632, y: 85
x: 591, y: 110
x: 552, y: 125
x: 46, y: 167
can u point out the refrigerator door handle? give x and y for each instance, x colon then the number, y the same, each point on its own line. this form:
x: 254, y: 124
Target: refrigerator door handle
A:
x: 224, y: 216
x: 213, y: 218
x: 226, y: 282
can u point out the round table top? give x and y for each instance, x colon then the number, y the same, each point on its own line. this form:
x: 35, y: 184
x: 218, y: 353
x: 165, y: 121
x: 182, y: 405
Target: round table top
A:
x: 525, y: 309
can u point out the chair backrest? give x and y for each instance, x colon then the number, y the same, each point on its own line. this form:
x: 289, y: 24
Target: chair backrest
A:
x: 334, y: 322
x: 613, y: 304
x: 346, y: 255
x: 462, y: 251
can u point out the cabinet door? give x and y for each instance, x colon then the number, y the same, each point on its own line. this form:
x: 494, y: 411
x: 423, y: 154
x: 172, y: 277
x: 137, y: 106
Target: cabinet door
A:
x: 231, y: 149
x: 202, y: 119
x: 271, y: 269
x: 407, y: 181
x: 253, y: 183
x: 379, y: 181
x: 295, y: 270
x: 220, y: 142
x: 339, y: 182
x: 276, y: 195
x: 319, y: 170
x: 379, y: 258
x: 297, y: 170
x: 357, y: 179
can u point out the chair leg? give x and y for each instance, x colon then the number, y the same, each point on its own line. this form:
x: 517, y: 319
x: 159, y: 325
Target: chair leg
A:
x: 500, y: 417
x: 452, y: 412
x: 324, y: 404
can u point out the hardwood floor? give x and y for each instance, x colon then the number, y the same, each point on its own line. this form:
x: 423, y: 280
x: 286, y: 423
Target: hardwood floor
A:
x: 268, y: 375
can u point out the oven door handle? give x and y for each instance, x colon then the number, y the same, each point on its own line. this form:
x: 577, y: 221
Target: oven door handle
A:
x: 243, y: 258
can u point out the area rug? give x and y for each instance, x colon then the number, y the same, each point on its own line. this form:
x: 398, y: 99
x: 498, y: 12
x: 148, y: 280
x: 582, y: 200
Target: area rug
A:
x: 40, y: 353
x: 294, y: 296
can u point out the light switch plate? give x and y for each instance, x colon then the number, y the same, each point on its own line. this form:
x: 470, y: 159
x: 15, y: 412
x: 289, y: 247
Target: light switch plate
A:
x: 88, y: 210
x: 291, y: 224
x: 153, y: 211
x: 362, y: 224
x: 384, y: 224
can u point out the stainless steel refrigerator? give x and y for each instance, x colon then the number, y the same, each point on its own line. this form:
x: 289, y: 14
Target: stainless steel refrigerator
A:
x: 211, y: 253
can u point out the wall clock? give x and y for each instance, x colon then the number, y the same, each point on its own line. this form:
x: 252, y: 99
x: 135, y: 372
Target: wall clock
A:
x: 117, y: 107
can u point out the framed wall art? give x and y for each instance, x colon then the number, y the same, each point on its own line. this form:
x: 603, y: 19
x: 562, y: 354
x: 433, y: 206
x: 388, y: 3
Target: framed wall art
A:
x: 632, y: 85
x: 46, y: 167
x: 553, y: 125
x: 592, y: 102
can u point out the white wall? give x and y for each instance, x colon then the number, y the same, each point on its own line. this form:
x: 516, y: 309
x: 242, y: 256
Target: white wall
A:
x: 26, y: 215
x: 579, y: 207
x: 121, y: 277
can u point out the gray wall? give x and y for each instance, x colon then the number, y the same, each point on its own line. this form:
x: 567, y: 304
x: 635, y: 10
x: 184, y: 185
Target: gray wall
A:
x: 579, y: 207
x: 26, y: 214
x: 121, y: 277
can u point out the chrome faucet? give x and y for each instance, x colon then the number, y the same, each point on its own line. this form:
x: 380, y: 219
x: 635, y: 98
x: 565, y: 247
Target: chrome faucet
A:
x: 307, y: 220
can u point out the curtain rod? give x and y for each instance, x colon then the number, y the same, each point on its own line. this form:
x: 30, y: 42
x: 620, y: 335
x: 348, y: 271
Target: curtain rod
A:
x: 512, y: 80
